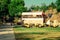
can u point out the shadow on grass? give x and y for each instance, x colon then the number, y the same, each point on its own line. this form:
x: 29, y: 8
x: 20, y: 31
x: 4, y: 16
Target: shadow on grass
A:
x: 28, y: 36
x: 30, y: 33
x: 40, y: 33
x: 52, y: 38
x: 33, y: 36
x: 24, y: 38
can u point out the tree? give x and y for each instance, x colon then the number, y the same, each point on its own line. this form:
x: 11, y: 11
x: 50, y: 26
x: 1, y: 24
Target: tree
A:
x: 52, y: 5
x: 44, y: 7
x: 16, y: 6
x: 58, y: 5
x: 4, y: 7
x: 58, y: 2
x: 35, y: 8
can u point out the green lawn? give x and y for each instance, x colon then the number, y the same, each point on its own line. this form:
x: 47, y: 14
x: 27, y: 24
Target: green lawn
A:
x: 45, y: 33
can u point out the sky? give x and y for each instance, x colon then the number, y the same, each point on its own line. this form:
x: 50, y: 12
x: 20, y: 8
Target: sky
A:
x: 29, y: 3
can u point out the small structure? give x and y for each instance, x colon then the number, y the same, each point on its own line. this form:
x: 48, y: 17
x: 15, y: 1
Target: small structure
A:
x: 31, y: 19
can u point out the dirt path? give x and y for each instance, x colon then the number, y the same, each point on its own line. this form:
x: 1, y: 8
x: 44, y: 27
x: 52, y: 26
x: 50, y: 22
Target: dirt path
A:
x: 7, y: 33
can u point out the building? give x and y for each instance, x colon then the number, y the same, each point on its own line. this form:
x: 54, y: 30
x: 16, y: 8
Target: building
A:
x: 32, y: 19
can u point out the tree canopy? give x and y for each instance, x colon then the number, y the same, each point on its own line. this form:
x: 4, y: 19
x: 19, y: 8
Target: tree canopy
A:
x: 58, y: 5
x: 4, y: 7
x: 12, y: 7
x: 16, y: 6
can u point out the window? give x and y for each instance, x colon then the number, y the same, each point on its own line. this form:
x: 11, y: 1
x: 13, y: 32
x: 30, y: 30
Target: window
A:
x: 39, y: 16
x: 27, y: 16
x: 24, y: 16
x: 31, y: 16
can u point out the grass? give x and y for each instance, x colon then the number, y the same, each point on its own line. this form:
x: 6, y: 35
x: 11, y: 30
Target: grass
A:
x: 44, y: 29
x: 45, y: 33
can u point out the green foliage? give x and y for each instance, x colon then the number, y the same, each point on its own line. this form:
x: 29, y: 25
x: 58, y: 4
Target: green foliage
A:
x: 58, y: 8
x: 12, y: 7
x: 58, y: 5
x: 16, y: 6
x: 35, y: 8
x: 4, y: 7
x: 52, y: 5
x: 38, y: 8
x: 44, y: 7
x: 58, y: 2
